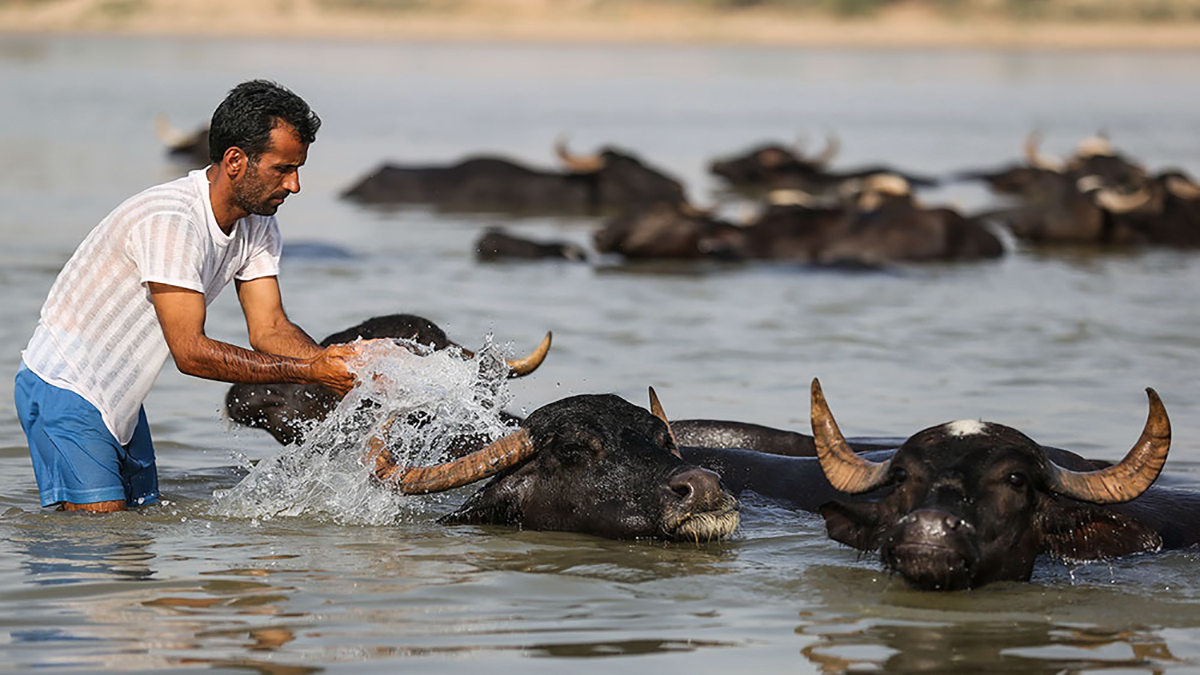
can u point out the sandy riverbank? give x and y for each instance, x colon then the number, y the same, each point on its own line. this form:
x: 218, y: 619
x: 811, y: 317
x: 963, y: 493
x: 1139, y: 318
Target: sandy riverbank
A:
x: 903, y: 26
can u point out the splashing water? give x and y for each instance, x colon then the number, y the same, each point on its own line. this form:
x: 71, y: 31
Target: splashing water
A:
x: 423, y: 402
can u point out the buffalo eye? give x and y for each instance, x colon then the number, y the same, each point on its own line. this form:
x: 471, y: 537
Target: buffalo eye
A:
x: 1017, y: 480
x: 898, y: 475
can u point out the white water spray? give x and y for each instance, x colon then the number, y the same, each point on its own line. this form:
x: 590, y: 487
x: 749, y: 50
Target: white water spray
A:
x: 425, y: 400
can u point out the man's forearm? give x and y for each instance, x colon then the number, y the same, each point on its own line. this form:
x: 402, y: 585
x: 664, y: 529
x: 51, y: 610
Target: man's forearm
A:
x: 215, y: 360
x: 286, y: 339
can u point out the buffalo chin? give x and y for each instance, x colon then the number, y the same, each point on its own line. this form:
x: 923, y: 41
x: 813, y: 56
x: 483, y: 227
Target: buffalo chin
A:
x: 930, y: 567
x: 706, y: 526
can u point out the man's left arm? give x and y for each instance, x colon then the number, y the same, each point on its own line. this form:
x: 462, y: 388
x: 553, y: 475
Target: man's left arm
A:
x: 268, y: 325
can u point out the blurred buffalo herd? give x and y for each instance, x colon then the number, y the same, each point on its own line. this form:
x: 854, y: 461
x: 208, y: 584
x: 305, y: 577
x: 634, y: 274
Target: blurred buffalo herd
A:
x: 796, y: 206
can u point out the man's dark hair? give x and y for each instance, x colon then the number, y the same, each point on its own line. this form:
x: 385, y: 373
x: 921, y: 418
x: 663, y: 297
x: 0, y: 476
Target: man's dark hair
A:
x: 247, y: 115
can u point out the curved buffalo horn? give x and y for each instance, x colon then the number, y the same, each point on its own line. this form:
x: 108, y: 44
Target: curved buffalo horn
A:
x: 1115, y: 202
x: 657, y: 409
x: 524, y: 366
x: 791, y: 197
x: 418, y: 480
x: 1132, y: 476
x: 888, y: 184
x: 832, y: 146
x: 1035, y: 158
x: 1095, y: 146
x: 1183, y: 188
x: 845, y: 469
x: 577, y: 163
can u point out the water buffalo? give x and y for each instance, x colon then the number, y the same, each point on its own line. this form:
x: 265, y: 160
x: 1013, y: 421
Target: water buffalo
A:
x: 884, y: 223
x: 610, y: 180
x: 880, y: 223
x: 1028, y: 181
x: 772, y: 166
x: 967, y: 503
x: 1096, y: 196
x: 286, y: 411
x: 1165, y: 210
x: 669, y: 230
x: 594, y: 464
x: 496, y: 245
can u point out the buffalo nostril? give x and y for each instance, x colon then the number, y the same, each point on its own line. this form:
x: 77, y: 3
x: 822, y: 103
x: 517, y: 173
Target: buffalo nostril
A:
x: 953, y: 522
x: 695, y: 484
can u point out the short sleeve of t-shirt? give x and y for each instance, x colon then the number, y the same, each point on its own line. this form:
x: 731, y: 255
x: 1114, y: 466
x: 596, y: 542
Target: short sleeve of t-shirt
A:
x: 266, y: 246
x: 168, y: 249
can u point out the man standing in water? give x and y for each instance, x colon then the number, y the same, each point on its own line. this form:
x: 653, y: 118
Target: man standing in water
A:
x: 137, y: 289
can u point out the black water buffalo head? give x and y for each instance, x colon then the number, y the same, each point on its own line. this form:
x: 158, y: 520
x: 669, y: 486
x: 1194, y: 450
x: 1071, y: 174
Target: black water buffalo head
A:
x: 770, y: 164
x: 968, y: 503
x: 594, y: 464
x: 616, y: 179
x: 287, y: 410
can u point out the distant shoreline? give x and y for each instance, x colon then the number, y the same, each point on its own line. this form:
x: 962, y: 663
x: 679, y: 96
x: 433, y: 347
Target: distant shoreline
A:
x: 534, y: 22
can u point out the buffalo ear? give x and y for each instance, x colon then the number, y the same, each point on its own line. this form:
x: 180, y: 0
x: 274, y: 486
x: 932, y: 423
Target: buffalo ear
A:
x: 497, y: 503
x: 1078, y: 532
x: 854, y: 524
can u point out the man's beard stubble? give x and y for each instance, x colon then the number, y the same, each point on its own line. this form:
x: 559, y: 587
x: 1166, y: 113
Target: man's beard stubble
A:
x: 251, y: 195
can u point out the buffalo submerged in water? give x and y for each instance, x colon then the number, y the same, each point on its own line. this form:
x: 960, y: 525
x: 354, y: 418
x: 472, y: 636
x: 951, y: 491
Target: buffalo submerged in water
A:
x: 965, y: 503
x: 1097, y: 196
x: 609, y: 180
x: 879, y: 222
x: 773, y: 166
x: 594, y: 464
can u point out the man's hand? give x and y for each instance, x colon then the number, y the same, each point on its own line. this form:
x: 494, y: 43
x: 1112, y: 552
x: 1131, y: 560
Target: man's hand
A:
x: 329, y: 367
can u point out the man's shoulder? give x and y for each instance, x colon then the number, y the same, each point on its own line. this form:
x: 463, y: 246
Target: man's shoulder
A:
x: 180, y: 194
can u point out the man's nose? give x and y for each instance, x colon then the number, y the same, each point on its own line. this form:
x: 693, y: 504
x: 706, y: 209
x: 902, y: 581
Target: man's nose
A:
x: 292, y: 182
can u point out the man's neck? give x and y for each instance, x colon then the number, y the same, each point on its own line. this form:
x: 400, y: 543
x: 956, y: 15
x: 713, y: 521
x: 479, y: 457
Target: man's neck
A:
x: 220, y: 196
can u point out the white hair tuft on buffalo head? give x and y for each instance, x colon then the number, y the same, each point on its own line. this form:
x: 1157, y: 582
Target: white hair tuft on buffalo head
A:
x: 965, y: 428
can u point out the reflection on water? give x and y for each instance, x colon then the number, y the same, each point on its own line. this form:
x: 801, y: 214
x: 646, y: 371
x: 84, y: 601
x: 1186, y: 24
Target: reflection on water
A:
x: 52, y: 559
x: 994, y: 647
x: 101, y: 626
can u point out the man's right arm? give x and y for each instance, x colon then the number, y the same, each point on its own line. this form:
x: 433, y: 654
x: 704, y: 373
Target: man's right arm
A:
x: 181, y: 313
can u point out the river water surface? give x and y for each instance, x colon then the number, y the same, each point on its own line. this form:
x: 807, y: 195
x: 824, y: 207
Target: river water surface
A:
x: 1060, y: 344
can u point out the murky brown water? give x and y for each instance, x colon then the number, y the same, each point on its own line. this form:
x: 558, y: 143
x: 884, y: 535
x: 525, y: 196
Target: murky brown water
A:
x: 1060, y: 345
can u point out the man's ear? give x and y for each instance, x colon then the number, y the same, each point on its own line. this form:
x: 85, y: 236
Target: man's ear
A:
x: 234, y: 162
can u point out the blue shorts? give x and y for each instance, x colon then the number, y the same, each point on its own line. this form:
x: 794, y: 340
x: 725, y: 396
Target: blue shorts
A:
x: 75, y: 457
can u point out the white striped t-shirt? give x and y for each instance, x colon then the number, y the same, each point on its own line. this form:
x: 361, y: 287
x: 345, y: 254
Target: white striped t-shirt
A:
x: 98, y: 334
